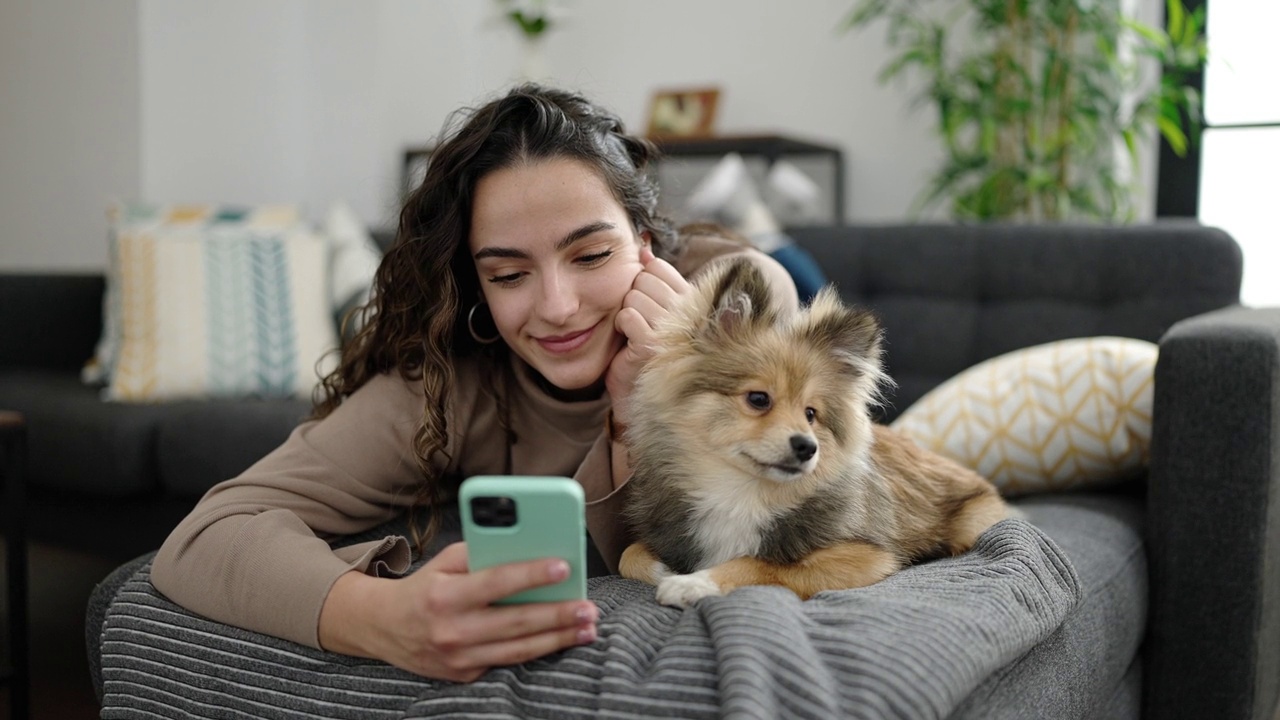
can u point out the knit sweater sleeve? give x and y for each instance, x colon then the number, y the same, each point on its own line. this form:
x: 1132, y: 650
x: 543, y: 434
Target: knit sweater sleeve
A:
x: 254, y: 552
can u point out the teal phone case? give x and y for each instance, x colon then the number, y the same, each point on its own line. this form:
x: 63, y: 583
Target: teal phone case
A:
x: 550, y: 522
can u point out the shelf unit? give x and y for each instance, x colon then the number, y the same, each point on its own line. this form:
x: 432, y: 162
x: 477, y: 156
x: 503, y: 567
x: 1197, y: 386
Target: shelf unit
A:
x: 768, y: 147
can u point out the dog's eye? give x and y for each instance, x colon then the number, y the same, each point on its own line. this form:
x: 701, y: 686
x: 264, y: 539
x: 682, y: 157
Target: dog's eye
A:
x: 759, y: 400
x: 810, y: 414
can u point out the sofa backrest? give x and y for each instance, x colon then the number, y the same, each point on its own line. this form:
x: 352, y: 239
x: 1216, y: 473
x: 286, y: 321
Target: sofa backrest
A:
x: 951, y: 296
x: 49, y: 320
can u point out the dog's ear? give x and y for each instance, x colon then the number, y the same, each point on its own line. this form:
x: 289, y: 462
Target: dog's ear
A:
x: 740, y: 298
x: 851, y: 334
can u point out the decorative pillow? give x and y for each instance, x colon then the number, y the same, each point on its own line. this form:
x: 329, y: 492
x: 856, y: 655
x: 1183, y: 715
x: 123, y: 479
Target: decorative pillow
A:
x: 1067, y: 414
x: 136, y: 217
x: 216, y: 302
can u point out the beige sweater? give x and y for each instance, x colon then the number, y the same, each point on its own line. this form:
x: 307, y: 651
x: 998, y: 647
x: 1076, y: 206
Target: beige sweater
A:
x: 255, y: 552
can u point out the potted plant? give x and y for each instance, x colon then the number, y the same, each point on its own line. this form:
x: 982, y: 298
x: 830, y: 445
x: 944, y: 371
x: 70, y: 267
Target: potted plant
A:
x: 1042, y: 104
x: 533, y: 19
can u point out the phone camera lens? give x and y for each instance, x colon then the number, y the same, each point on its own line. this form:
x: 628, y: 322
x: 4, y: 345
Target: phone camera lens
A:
x: 490, y: 511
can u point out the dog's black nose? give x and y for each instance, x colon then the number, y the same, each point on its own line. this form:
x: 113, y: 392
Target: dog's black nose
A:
x: 803, y: 446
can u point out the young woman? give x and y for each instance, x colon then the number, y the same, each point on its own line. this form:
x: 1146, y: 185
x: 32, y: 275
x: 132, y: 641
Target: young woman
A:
x: 507, y: 327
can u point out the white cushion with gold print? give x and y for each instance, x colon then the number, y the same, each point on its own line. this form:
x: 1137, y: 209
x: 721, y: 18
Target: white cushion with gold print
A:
x: 1066, y: 414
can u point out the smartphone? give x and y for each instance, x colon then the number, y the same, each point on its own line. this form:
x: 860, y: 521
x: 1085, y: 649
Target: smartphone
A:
x: 512, y: 518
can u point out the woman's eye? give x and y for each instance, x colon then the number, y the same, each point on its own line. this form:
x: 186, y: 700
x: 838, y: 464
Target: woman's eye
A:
x: 810, y: 414
x: 759, y: 400
x: 506, y: 279
x: 595, y: 258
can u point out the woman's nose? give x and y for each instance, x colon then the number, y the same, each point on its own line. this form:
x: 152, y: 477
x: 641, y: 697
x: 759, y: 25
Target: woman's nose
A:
x: 559, y: 300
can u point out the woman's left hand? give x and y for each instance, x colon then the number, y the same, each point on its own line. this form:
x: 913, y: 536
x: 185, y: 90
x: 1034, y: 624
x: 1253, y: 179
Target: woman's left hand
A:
x: 654, y: 293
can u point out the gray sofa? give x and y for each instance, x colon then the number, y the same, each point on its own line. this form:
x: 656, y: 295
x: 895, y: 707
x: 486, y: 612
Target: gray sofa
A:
x: 1176, y: 578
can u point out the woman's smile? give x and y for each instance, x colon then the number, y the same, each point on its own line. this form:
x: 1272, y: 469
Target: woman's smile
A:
x: 568, y: 342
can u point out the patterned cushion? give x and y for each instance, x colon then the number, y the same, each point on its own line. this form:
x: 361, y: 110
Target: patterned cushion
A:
x: 1062, y: 415
x: 205, y: 301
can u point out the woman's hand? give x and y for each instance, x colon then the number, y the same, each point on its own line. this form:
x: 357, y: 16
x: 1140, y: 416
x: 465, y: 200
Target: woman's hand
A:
x: 654, y: 293
x: 440, y: 623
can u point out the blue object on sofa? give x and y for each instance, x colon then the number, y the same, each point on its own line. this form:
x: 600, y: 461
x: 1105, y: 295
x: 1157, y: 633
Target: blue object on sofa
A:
x: 803, y: 269
x: 1179, y: 589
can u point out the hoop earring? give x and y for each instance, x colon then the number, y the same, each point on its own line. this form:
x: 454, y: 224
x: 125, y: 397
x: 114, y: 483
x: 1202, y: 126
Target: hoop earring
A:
x: 471, y: 327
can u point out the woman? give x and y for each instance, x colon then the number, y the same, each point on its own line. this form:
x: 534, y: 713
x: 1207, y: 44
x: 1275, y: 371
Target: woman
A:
x: 507, y: 327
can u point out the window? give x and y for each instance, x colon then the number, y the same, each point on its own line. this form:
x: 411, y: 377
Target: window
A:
x: 1239, y: 179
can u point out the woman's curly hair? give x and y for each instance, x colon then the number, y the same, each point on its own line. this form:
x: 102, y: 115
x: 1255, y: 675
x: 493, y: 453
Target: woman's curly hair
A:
x: 416, y: 320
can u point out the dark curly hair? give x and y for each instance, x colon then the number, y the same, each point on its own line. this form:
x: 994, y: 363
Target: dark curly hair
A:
x: 415, y: 322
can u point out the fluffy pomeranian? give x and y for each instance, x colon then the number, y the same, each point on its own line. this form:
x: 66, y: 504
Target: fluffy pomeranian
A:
x: 757, y: 462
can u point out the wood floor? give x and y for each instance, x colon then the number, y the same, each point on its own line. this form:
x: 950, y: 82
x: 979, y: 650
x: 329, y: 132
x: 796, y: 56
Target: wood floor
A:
x: 60, y: 583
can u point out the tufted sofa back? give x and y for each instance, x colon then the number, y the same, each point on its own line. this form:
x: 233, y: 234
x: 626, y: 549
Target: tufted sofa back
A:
x: 951, y: 296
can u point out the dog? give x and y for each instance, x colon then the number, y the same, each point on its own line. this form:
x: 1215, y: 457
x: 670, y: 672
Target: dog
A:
x: 757, y: 462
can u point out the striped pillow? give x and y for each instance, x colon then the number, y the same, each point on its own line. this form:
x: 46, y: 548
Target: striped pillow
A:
x: 222, y: 304
x: 1068, y: 414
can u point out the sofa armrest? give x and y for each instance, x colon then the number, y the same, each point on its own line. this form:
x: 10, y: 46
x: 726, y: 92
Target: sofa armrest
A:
x: 1213, y: 644
x: 49, y: 320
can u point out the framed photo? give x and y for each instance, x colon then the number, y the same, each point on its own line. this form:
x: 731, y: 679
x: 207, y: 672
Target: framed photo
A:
x: 683, y: 113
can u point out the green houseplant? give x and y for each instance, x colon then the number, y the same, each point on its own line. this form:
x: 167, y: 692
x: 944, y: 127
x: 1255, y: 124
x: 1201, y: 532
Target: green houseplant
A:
x: 1040, y: 101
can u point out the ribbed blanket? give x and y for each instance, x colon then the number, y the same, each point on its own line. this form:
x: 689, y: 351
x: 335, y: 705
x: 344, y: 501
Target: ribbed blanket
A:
x: 913, y: 646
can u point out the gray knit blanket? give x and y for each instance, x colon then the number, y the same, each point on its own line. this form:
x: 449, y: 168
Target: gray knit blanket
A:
x: 913, y: 646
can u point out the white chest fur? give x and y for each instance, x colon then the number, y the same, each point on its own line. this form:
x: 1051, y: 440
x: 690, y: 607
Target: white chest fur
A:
x: 730, y: 517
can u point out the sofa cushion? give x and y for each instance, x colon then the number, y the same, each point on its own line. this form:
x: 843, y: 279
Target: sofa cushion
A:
x: 214, y: 311
x: 129, y: 218
x: 1062, y: 415
x: 200, y: 444
x: 76, y: 442
x: 79, y: 443
x: 1088, y: 662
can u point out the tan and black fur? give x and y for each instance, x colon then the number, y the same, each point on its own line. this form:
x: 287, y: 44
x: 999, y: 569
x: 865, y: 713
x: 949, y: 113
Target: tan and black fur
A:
x: 807, y: 493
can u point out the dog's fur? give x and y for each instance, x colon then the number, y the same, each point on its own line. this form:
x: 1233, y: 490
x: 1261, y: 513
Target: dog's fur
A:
x: 727, y: 494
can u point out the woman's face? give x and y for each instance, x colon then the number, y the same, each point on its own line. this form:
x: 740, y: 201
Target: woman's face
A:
x: 556, y: 254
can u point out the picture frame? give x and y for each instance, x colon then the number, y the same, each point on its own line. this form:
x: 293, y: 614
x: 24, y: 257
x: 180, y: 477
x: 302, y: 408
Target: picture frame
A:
x: 683, y: 112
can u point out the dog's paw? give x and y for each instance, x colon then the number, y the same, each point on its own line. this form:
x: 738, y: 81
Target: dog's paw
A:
x: 684, y: 590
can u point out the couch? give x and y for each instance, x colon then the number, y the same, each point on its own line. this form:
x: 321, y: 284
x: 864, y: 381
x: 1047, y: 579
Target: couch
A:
x: 104, y: 477
x: 1177, y: 575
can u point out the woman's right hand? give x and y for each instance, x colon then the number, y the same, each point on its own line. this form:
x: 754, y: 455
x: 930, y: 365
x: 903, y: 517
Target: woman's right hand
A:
x: 440, y: 621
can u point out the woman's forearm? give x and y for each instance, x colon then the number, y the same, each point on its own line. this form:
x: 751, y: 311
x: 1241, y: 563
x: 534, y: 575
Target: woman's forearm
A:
x: 344, y: 625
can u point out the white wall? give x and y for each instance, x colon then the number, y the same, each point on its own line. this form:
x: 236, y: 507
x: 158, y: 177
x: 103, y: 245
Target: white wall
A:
x: 319, y: 98
x: 69, y: 128
x: 313, y: 101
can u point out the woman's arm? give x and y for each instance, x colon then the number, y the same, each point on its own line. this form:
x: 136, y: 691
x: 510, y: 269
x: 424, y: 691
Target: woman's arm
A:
x: 253, y: 552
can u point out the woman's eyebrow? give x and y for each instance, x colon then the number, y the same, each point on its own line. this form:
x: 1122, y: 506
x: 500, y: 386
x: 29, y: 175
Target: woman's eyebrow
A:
x: 584, y: 231
x: 566, y: 241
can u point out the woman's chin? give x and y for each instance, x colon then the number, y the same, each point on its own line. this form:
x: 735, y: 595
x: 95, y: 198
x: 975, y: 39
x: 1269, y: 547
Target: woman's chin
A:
x: 577, y: 381
x: 569, y: 381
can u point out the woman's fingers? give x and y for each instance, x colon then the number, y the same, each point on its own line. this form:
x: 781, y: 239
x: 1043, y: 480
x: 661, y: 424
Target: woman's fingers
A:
x: 507, y: 622
x: 529, y: 647
x: 484, y: 587
x: 649, y: 308
x: 662, y: 282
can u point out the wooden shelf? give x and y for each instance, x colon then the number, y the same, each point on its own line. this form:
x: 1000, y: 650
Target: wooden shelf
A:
x: 769, y: 147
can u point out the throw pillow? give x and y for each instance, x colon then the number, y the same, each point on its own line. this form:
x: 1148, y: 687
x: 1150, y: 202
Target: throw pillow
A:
x: 1067, y: 414
x: 137, y: 217
x: 219, y: 305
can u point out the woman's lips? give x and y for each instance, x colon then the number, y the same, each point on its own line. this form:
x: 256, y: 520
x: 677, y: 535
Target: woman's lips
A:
x: 559, y: 344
